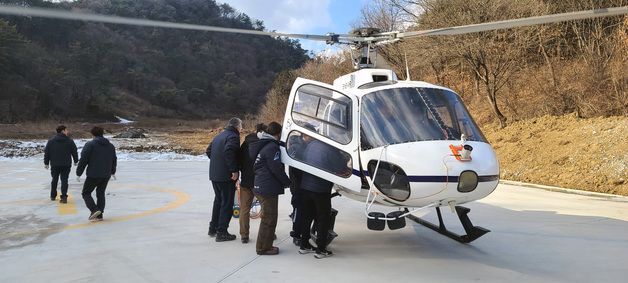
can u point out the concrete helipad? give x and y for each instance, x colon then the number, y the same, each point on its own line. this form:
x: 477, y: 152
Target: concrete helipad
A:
x: 156, y: 231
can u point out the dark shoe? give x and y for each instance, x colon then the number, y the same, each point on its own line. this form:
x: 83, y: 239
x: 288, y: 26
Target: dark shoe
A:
x: 323, y: 254
x: 53, y: 198
x: 63, y: 200
x: 223, y: 237
x: 100, y: 217
x: 95, y: 215
x: 211, y: 232
x: 271, y: 251
x: 296, y: 242
x: 245, y: 240
x: 295, y: 234
x: 305, y: 248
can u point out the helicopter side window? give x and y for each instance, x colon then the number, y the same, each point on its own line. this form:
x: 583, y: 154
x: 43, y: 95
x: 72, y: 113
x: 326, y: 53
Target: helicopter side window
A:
x: 313, y: 152
x: 324, y: 111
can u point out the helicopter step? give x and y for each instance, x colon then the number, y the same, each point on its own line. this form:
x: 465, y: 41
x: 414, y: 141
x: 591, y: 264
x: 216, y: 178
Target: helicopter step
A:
x: 473, y: 232
x: 331, y: 235
x: 377, y: 220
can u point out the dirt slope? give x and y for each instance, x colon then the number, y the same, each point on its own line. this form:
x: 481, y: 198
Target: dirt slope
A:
x: 584, y: 154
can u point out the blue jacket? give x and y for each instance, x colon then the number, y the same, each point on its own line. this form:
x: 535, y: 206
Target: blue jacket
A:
x: 270, y: 173
x: 223, y: 154
x: 60, y: 150
x: 325, y: 157
x: 99, y: 156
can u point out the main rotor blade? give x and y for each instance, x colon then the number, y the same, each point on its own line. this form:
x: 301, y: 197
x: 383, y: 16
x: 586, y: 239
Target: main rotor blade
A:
x: 67, y: 15
x: 518, y: 22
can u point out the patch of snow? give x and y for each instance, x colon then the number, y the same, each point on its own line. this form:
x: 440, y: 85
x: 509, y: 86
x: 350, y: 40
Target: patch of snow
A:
x: 123, y: 121
x: 126, y: 150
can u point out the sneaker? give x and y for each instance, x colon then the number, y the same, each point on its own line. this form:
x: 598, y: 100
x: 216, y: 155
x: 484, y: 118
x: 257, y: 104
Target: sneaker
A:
x: 296, y: 242
x: 306, y: 248
x: 245, y: 240
x: 63, y: 200
x: 323, y: 254
x: 223, y: 237
x: 271, y: 251
x: 95, y: 215
x: 100, y: 217
x: 53, y: 198
x: 211, y: 232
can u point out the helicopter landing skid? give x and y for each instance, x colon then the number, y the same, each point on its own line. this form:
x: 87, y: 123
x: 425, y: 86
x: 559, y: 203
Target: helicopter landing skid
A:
x: 473, y: 232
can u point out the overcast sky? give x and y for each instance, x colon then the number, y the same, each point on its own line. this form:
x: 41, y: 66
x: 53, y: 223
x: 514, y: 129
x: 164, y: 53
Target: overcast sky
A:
x: 299, y: 16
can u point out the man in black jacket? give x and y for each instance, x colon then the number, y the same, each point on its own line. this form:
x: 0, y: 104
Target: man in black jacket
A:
x: 247, y: 182
x: 270, y: 181
x: 316, y: 198
x: 99, y: 156
x: 224, y: 170
x: 58, y: 154
x: 295, y: 149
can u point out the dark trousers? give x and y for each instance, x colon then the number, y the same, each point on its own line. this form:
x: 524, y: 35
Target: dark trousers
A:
x: 296, y: 212
x: 316, y: 206
x: 222, y: 211
x: 267, y: 226
x: 56, y: 172
x: 100, y: 184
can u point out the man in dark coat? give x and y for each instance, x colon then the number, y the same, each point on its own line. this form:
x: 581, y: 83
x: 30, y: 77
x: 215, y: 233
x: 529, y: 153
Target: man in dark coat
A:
x: 58, y: 155
x: 224, y: 171
x: 99, y: 156
x: 270, y: 181
x: 295, y: 149
x: 316, y: 199
x: 247, y: 181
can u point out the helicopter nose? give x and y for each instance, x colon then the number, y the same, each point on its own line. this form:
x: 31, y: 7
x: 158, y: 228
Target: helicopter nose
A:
x: 468, y: 181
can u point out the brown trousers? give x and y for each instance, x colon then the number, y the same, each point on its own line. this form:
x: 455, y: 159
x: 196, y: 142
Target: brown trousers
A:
x: 246, y: 200
x: 267, y: 226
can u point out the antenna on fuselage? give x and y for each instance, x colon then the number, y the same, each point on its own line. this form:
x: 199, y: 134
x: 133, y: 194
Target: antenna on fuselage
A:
x: 405, y: 56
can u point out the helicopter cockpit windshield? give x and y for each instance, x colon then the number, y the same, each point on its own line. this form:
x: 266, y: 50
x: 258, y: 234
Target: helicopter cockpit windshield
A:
x: 402, y: 115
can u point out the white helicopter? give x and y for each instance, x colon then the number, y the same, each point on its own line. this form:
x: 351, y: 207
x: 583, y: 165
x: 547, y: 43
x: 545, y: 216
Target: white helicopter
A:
x: 409, y: 145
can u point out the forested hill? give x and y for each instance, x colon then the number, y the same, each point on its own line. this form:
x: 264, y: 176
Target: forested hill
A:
x: 70, y: 70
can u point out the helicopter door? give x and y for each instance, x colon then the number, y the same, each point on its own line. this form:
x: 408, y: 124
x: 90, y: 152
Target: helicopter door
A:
x: 320, y: 133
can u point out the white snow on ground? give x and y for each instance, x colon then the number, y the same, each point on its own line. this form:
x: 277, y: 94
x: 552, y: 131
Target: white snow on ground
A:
x: 124, y: 121
x: 126, y: 149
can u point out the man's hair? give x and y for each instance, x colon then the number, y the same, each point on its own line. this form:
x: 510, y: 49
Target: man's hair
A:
x: 274, y: 129
x: 61, y: 128
x: 260, y: 127
x: 97, y: 131
x: 234, y: 122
